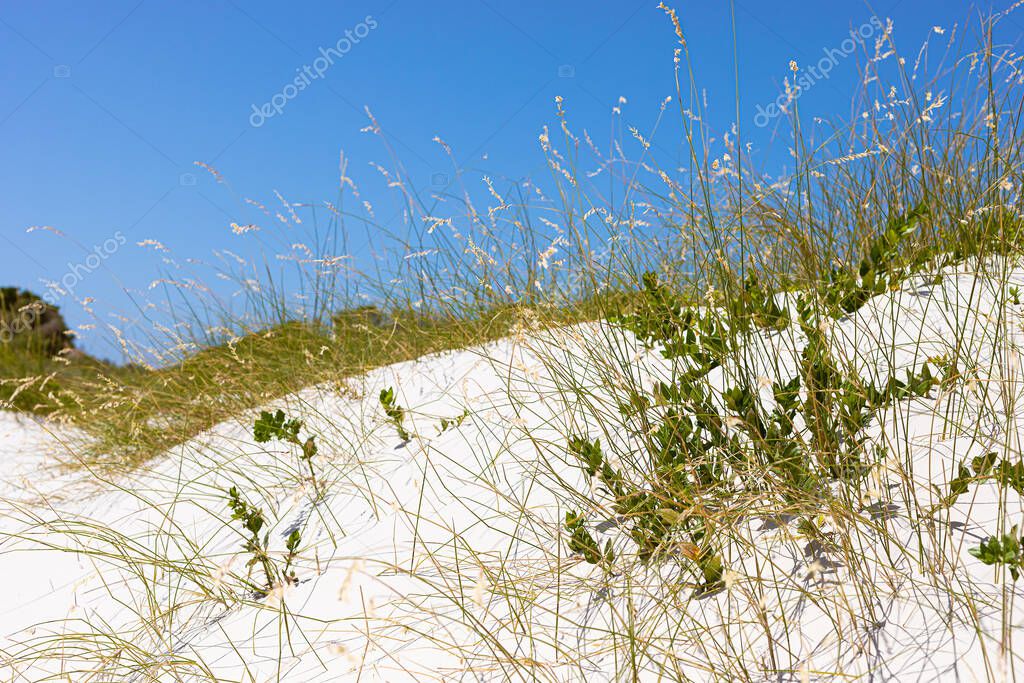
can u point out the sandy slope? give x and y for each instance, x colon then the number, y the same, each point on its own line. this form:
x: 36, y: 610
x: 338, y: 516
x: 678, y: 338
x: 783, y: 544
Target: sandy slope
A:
x: 418, y: 549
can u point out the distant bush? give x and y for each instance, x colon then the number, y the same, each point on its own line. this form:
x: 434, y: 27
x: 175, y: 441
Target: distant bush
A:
x: 31, y: 324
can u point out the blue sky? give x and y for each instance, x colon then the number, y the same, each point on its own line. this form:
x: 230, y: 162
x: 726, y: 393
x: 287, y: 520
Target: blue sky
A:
x: 104, y: 106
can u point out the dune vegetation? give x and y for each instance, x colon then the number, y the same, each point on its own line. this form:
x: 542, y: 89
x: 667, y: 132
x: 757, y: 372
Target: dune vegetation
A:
x: 623, y: 422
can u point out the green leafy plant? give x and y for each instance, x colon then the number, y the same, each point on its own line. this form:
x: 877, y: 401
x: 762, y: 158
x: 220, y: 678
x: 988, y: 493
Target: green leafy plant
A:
x: 754, y: 306
x: 277, y: 426
x: 663, y: 317
x: 452, y: 422
x: 653, y: 518
x: 812, y: 431
x: 292, y: 546
x: 949, y: 372
x: 267, y: 427
x: 879, y: 269
x: 1005, y: 550
x: 253, y: 521
x: 582, y: 542
x: 838, y: 405
x: 988, y: 467
x: 395, y: 413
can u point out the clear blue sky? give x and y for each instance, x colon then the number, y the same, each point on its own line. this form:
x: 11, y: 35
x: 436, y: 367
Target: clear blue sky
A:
x: 104, y: 106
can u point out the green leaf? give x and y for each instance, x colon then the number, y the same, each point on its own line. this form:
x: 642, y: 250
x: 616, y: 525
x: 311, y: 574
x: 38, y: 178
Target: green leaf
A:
x: 294, y: 539
x: 275, y: 426
x: 1005, y: 550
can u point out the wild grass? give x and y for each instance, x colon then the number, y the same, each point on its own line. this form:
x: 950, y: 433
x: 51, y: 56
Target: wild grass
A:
x: 728, y: 426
